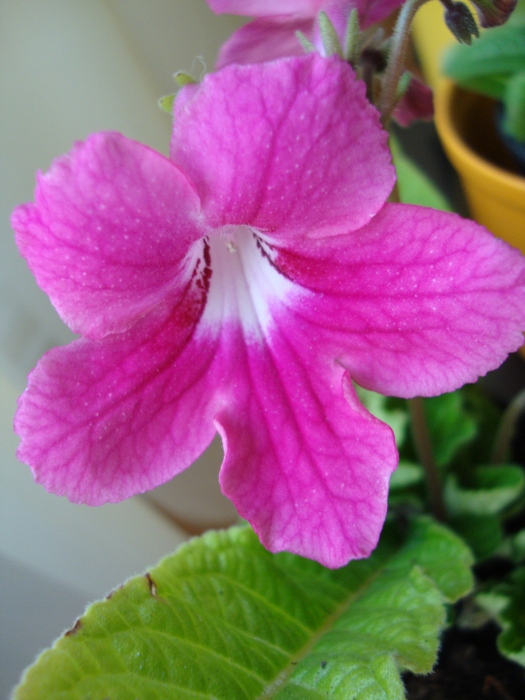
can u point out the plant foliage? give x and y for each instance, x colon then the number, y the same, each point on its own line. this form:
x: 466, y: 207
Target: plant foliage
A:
x: 224, y: 618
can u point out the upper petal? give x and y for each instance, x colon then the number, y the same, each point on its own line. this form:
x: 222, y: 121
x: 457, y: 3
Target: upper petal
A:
x: 108, y: 233
x: 103, y: 420
x: 418, y: 302
x: 291, y: 146
x: 372, y: 11
x: 266, y: 8
x: 265, y: 39
x: 305, y: 463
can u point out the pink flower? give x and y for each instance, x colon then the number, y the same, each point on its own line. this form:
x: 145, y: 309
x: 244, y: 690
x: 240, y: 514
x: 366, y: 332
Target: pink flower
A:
x: 273, y: 33
x: 240, y: 287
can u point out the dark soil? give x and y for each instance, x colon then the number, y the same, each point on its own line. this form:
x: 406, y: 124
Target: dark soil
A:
x: 469, y: 667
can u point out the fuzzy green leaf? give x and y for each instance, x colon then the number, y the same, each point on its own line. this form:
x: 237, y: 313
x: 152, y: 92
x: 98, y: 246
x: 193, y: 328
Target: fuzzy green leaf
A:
x: 483, y: 533
x: 450, y: 425
x: 223, y: 618
x: 491, y: 489
x: 506, y: 602
x: 407, y: 474
x: 380, y: 407
x: 514, y: 98
x: 483, y: 67
x: 518, y: 546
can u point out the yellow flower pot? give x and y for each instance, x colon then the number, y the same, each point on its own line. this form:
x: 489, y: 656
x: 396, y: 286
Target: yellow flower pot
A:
x: 493, y: 186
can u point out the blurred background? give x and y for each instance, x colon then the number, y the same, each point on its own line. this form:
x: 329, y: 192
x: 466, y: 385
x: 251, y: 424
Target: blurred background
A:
x: 68, y: 69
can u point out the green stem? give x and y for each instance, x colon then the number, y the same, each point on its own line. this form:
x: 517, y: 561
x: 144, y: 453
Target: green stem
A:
x: 397, y: 58
x: 423, y: 447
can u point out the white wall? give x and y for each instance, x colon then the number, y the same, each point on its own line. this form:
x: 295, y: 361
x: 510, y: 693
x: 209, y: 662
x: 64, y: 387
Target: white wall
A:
x: 67, y: 68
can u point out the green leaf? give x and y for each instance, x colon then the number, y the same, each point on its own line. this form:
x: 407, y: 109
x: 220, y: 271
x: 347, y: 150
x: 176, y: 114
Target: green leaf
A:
x: 491, y: 489
x: 413, y: 184
x: 483, y: 67
x: 518, y: 546
x: 450, y: 425
x: 514, y: 99
x: 223, y: 618
x: 407, y: 474
x: 380, y: 406
x: 483, y: 533
x: 506, y: 602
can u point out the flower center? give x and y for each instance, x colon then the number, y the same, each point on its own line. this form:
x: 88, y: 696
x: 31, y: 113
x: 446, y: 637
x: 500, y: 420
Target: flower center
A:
x: 244, y: 282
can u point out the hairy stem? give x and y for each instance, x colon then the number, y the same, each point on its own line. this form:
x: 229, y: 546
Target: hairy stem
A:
x: 397, y: 58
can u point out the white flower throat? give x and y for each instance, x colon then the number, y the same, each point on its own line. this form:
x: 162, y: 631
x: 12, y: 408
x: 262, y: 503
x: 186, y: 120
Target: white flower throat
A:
x: 243, y: 280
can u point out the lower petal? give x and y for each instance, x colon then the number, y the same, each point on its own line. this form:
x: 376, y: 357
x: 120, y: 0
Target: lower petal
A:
x: 305, y: 463
x: 104, y: 420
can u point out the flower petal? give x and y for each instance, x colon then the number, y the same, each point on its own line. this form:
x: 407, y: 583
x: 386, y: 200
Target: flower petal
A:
x: 103, y: 420
x: 305, y: 463
x: 264, y: 40
x: 372, y: 11
x: 266, y: 8
x: 108, y: 233
x: 292, y: 145
x: 417, y: 303
x: 416, y: 103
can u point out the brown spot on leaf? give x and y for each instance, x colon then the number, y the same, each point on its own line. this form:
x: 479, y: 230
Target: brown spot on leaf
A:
x: 74, y: 629
x: 151, y: 584
x: 112, y: 593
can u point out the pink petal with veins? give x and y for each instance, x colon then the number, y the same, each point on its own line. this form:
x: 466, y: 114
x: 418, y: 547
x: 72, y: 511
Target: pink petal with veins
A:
x: 292, y: 146
x: 99, y: 237
x: 244, y: 286
x: 266, y: 8
x: 103, y: 420
x: 419, y: 302
x: 266, y: 39
x: 305, y: 463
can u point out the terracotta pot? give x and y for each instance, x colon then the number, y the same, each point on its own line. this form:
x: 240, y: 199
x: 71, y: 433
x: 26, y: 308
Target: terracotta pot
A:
x: 493, y: 186
x: 494, y: 189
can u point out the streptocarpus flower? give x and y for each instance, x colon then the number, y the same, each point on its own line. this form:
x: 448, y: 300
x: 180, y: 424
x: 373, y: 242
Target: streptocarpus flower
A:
x: 273, y: 33
x: 240, y: 287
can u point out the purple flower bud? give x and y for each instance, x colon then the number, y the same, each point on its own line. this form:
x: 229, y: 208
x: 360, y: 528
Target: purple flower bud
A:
x: 461, y: 23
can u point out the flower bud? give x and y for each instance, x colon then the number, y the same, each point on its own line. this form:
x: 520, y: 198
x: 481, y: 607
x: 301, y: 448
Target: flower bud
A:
x: 492, y: 13
x: 461, y: 23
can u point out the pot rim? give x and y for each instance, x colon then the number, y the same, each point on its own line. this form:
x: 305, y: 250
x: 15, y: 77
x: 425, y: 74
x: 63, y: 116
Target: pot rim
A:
x: 446, y: 127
